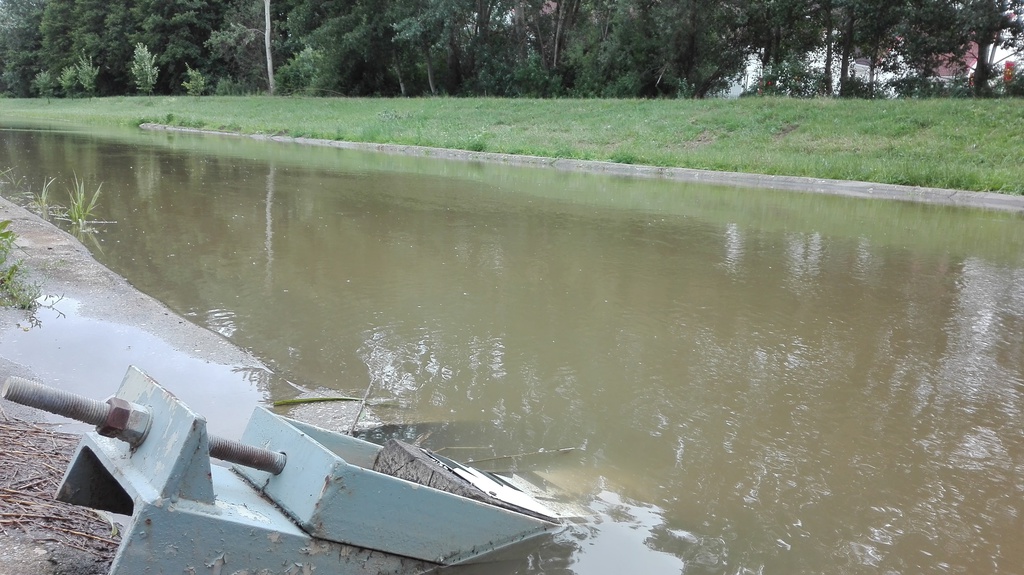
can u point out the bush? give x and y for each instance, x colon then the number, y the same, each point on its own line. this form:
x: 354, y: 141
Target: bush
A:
x: 196, y: 83
x: 230, y: 87
x: 44, y: 84
x: 68, y: 80
x: 931, y: 87
x: 532, y: 79
x: 143, y: 69
x: 1015, y: 87
x: 793, y: 77
x: 301, y: 74
x: 86, y: 73
x: 855, y: 87
x: 15, y: 291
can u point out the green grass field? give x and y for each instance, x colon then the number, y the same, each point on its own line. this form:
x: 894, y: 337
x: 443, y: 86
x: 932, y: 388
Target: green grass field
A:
x: 959, y: 144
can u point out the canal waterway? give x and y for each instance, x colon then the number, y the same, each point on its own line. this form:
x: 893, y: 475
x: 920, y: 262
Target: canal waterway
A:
x: 754, y: 381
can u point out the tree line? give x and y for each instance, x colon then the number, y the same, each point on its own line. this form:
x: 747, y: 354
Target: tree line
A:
x: 536, y: 48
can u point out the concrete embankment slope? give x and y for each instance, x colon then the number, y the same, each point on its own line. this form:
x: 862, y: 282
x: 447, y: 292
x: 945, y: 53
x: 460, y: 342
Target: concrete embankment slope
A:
x: 845, y: 188
x: 116, y: 326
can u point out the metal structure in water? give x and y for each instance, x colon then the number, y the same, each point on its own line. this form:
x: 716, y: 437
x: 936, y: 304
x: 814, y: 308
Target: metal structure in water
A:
x: 298, y: 499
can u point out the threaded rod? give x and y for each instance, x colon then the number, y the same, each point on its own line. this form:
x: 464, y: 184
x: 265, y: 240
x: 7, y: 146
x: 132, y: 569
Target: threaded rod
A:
x: 39, y: 396
x: 247, y: 455
x: 93, y: 412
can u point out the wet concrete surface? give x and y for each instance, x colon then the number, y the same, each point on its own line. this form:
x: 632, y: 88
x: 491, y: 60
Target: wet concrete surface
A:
x: 94, y: 325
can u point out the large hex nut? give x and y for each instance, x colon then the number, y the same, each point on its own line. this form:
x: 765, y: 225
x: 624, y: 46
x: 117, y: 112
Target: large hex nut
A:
x: 125, y: 421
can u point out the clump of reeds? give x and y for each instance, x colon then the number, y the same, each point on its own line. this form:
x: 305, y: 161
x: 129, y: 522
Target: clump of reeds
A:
x: 80, y: 211
x: 42, y: 204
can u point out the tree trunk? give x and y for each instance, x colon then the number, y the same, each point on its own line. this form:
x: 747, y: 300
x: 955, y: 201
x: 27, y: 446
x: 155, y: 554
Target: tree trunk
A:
x: 559, y: 15
x: 566, y: 17
x: 988, y: 29
x: 430, y: 69
x: 827, y: 79
x: 266, y: 40
x: 540, y: 46
x: 844, y: 66
x: 871, y: 78
x: 401, y: 81
x: 520, y: 27
x: 982, y: 71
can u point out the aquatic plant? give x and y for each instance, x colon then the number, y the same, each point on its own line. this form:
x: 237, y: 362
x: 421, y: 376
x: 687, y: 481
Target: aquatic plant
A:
x: 80, y: 210
x: 42, y: 204
x: 10, y: 180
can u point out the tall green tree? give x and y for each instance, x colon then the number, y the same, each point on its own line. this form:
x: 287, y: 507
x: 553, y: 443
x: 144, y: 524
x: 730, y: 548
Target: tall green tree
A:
x: 780, y: 30
x: 616, y: 54
x: 56, y: 52
x: 875, y: 40
x: 419, y: 27
x: 866, y: 31
x: 143, y: 70
x: 176, y: 31
x: 237, y: 45
x: 930, y: 34
x: 355, y: 41
x: 100, y: 30
x: 991, y: 24
x: 645, y: 48
x: 20, y: 44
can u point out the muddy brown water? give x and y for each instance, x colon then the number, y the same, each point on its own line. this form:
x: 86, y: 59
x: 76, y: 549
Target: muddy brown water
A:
x: 755, y: 381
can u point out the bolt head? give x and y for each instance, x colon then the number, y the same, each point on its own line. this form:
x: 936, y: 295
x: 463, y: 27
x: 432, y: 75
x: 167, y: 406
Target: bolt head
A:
x: 125, y: 421
x: 117, y: 418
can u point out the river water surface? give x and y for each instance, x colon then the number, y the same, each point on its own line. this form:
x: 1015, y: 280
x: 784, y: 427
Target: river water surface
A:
x: 754, y: 381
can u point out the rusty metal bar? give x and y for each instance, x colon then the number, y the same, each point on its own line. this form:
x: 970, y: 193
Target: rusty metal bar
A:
x: 67, y: 404
x: 247, y: 455
x: 99, y: 413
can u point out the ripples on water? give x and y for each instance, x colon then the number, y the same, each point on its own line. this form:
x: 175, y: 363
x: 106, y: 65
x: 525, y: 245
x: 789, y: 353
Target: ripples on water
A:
x: 756, y: 382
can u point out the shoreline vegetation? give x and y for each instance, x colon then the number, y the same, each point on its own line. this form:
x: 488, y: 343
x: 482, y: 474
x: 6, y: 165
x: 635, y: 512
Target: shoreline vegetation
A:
x: 952, y: 144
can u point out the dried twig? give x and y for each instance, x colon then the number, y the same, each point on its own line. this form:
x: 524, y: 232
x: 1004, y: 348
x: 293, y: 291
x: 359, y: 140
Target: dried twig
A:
x: 34, y: 457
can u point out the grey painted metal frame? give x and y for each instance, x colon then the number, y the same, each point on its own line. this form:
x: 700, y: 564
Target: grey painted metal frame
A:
x: 189, y: 517
x: 329, y: 489
x: 327, y: 511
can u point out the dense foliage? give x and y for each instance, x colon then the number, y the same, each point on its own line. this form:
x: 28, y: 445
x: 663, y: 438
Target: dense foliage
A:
x: 585, y: 48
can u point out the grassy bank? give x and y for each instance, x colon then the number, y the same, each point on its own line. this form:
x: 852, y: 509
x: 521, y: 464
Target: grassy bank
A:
x: 959, y: 144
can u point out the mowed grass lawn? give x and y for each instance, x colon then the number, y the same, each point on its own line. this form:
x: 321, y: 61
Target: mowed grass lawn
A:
x: 958, y: 144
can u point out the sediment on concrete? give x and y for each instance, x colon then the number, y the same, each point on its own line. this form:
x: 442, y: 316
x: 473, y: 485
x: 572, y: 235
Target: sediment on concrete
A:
x: 845, y: 188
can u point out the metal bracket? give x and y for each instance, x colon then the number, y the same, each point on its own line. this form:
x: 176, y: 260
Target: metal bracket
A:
x: 299, y: 498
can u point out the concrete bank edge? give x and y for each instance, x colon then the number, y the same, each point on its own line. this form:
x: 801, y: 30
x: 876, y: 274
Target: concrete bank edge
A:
x: 845, y: 188
x: 60, y: 264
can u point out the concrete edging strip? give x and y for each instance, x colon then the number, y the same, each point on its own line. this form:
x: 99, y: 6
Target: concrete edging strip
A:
x: 853, y: 189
